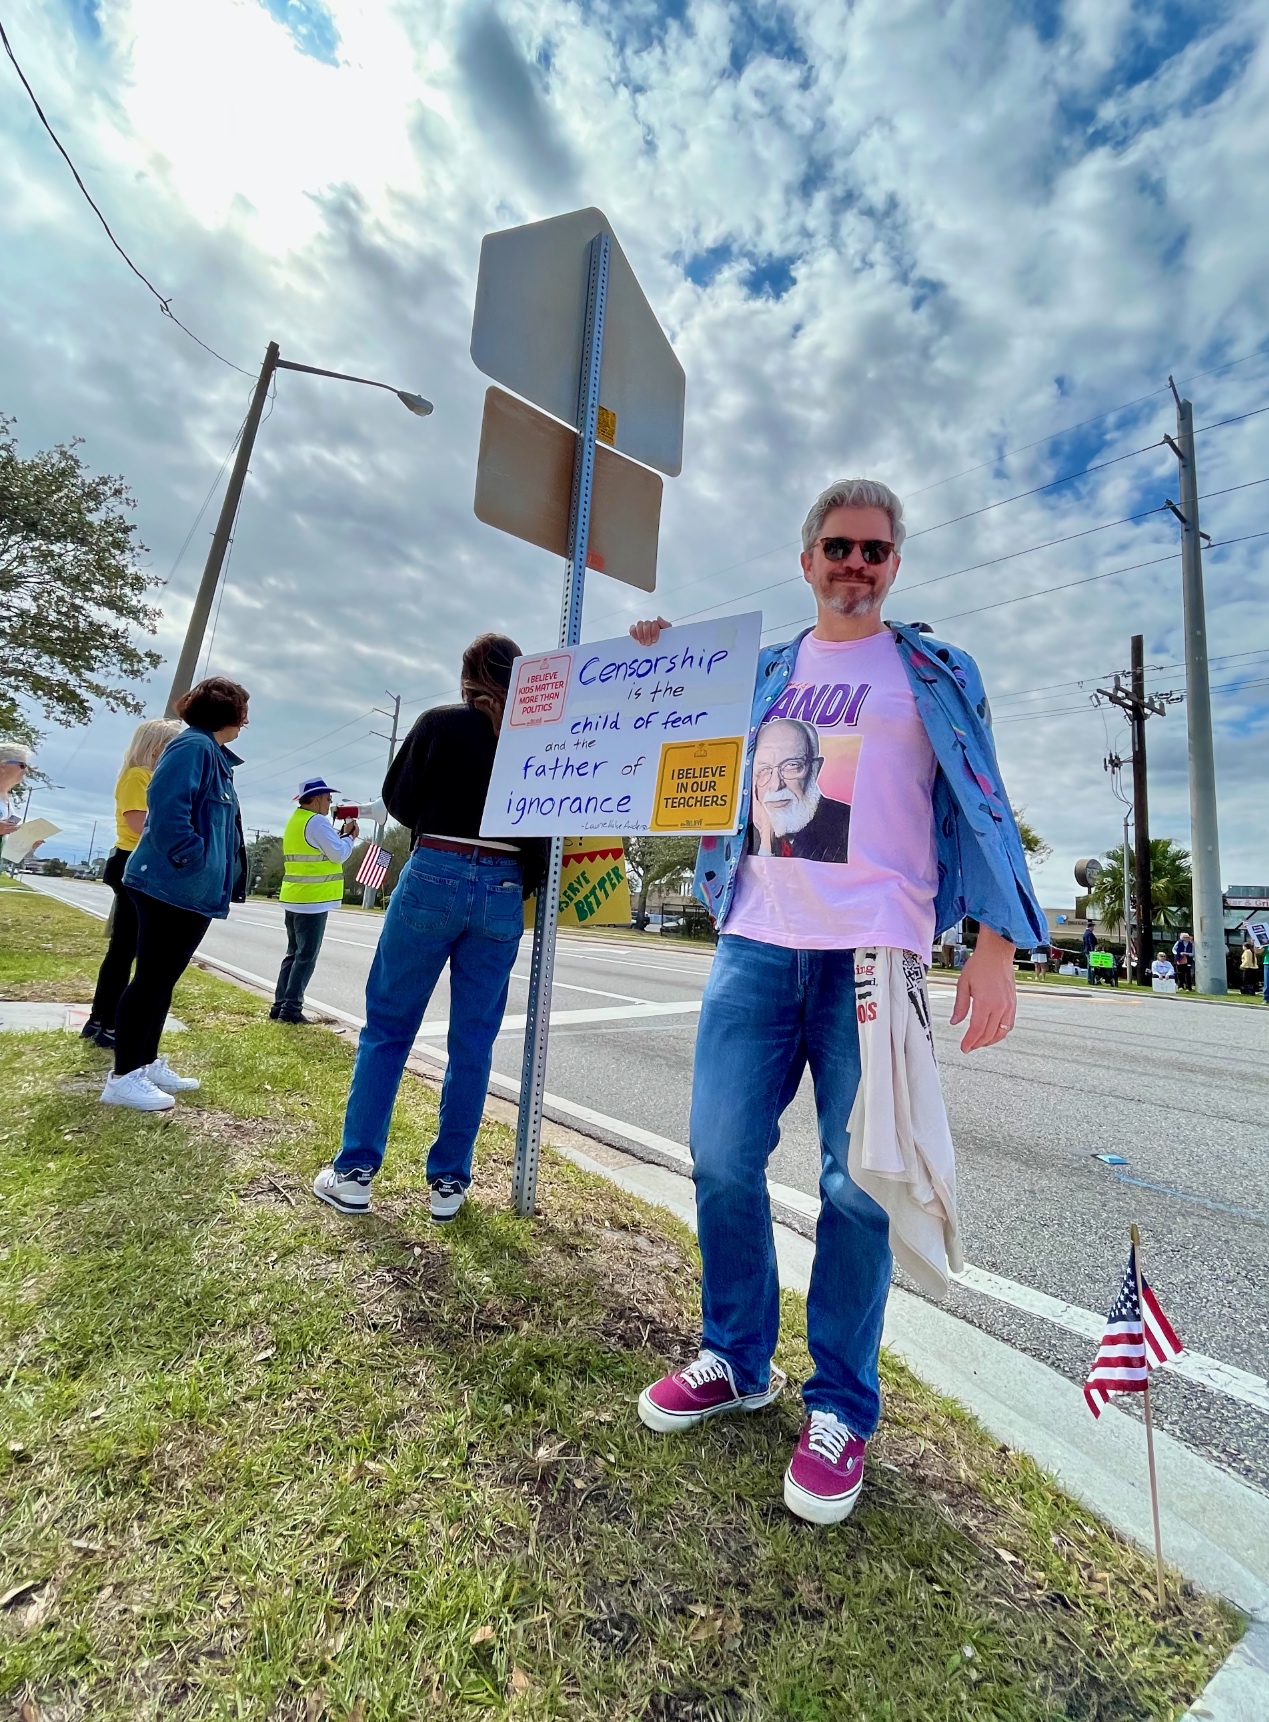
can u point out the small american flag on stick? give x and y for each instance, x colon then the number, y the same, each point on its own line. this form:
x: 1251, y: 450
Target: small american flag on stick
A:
x: 374, y: 867
x: 1137, y: 1339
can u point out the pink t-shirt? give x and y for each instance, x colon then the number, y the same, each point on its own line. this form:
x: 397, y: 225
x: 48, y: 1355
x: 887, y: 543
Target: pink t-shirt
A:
x: 840, y: 848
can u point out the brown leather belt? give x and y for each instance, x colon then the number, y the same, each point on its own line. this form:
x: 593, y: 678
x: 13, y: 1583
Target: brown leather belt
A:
x: 472, y: 851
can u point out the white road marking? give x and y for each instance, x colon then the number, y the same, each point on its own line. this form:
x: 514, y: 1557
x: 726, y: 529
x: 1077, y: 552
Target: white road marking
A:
x: 1207, y: 1372
x: 564, y: 1018
x: 596, y: 992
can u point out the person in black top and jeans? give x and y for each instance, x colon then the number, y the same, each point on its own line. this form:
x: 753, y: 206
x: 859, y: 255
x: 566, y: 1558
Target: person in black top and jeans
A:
x: 459, y: 900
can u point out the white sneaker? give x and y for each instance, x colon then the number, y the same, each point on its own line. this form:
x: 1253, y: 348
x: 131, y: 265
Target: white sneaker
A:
x: 163, y: 1076
x: 350, y: 1195
x: 448, y: 1196
x: 137, y: 1091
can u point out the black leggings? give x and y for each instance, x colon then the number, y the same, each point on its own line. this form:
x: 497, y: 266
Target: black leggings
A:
x: 167, y: 938
x: 116, y: 965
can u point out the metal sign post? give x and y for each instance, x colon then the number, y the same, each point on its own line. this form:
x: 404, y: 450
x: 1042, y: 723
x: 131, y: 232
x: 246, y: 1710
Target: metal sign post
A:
x: 524, y: 1179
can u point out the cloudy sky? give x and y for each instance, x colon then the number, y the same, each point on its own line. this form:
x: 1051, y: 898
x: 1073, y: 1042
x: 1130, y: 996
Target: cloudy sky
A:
x: 956, y: 244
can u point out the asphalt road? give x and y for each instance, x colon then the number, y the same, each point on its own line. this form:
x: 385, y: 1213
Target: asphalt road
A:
x: 1180, y: 1089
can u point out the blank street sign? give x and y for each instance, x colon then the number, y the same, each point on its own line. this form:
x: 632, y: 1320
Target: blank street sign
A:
x: 524, y: 486
x: 529, y: 327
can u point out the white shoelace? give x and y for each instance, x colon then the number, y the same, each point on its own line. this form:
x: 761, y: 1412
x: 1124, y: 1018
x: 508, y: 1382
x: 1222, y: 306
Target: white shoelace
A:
x: 828, y: 1436
x: 703, y: 1368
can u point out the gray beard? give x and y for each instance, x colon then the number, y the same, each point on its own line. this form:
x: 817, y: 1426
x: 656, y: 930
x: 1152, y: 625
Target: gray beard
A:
x: 841, y: 605
x: 795, y: 815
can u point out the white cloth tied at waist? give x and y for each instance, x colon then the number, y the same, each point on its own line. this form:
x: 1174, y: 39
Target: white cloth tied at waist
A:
x: 900, y: 1150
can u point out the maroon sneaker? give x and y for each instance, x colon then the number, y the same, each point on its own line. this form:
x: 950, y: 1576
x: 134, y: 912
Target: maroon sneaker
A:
x: 703, y: 1388
x: 826, y: 1471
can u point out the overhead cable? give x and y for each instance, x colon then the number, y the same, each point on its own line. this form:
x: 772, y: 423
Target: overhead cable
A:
x: 165, y: 303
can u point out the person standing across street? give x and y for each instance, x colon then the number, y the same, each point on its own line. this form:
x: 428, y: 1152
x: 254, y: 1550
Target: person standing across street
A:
x: 1183, y: 957
x: 148, y: 741
x: 313, y: 856
x: 459, y: 900
x: 1090, y: 945
x: 1248, y: 963
x: 190, y: 864
x: 893, y: 728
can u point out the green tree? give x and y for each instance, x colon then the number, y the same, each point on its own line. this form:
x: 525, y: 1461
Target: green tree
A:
x: 264, y: 865
x: 1171, y: 886
x: 655, y: 862
x: 71, y: 592
x: 1033, y: 845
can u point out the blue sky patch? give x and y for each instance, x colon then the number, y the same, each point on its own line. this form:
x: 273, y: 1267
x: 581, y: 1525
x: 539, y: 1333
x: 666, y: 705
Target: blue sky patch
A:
x: 762, y: 32
x: 702, y: 268
x: 769, y: 277
x: 1044, y: 17
x: 86, y: 17
x: 311, y: 27
x: 766, y: 277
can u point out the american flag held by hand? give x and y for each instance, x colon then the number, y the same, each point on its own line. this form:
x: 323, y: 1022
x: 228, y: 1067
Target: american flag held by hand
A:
x: 1138, y: 1338
x: 374, y: 867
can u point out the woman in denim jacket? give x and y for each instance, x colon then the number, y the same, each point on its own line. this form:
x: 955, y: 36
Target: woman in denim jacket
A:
x: 190, y: 864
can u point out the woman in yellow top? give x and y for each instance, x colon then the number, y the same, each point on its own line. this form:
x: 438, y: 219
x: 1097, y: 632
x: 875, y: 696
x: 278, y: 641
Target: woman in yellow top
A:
x: 148, y: 741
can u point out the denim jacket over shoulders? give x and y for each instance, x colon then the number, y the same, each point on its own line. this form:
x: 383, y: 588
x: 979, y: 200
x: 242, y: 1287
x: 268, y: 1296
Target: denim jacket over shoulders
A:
x: 191, y: 853
x: 982, y: 868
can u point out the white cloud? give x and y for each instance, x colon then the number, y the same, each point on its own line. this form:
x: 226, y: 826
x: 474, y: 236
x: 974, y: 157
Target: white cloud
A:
x: 898, y: 239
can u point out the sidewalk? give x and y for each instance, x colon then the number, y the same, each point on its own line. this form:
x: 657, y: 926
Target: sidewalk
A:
x: 263, y: 1461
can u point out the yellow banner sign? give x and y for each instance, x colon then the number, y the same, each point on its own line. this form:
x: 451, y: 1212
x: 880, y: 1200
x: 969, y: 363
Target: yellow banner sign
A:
x: 594, y: 890
x: 697, y: 785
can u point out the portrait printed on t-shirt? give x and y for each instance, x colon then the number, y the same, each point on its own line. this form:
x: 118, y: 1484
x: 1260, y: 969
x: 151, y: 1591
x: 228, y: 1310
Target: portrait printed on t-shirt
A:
x: 803, y: 777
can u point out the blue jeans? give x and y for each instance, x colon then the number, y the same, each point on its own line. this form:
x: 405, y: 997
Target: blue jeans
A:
x: 444, y: 907
x: 304, y: 935
x: 768, y: 1013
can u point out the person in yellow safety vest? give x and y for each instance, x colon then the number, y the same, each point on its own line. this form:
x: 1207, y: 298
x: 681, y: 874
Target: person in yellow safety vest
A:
x: 313, y: 856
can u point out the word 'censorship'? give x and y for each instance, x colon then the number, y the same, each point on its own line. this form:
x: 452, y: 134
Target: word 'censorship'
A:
x: 697, y: 784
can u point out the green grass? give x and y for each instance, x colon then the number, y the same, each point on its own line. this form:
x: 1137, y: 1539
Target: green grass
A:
x: 261, y: 1462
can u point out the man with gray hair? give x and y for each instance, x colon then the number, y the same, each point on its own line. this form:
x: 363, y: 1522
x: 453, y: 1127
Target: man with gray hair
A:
x: 872, y: 816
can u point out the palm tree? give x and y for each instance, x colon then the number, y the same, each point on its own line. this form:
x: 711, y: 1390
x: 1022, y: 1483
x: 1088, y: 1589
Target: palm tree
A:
x: 1171, y: 886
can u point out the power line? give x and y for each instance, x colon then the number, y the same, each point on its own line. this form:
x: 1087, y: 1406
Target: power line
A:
x: 165, y: 304
x: 258, y: 765
x: 1005, y: 454
x: 1152, y: 669
x: 1035, y: 490
x: 973, y: 567
x: 1066, y: 711
x: 1001, y: 603
x: 1236, y: 420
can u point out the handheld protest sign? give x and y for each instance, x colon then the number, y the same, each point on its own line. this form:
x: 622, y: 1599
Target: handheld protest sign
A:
x: 614, y: 737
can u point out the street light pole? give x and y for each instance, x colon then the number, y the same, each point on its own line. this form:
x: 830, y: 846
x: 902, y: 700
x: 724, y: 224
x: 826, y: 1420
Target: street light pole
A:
x: 186, y: 665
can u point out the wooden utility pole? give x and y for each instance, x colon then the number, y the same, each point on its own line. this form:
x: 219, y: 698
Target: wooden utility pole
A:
x: 1139, y: 706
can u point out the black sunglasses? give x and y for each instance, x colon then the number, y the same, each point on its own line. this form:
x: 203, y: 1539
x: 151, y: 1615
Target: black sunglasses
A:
x: 874, y: 551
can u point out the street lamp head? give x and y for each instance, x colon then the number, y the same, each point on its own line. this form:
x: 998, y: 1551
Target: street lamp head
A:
x: 416, y: 403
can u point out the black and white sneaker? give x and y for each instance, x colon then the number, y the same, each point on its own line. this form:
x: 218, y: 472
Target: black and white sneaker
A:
x: 448, y: 1196
x: 350, y: 1194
